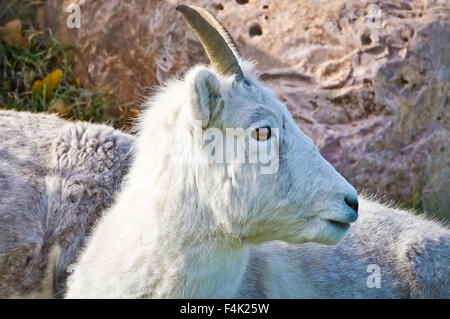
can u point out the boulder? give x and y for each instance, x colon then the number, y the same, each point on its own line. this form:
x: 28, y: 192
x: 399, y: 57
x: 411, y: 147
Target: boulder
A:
x: 367, y: 80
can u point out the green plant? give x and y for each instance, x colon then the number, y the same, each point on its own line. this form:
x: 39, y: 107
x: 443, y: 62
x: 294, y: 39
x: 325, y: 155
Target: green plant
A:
x: 36, y: 71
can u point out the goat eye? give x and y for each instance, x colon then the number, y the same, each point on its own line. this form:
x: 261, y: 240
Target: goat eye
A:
x: 262, y: 133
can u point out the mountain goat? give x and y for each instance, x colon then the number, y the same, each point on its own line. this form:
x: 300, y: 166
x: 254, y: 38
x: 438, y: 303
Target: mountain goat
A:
x: 184, y: 226
x: 56, y: 177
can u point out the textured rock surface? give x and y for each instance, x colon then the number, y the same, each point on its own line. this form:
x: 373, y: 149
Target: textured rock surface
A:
x: 370, y: 84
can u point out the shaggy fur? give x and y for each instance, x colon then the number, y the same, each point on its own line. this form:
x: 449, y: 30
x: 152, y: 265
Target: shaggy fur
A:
x: 56, y: 177
x: 184, y: 229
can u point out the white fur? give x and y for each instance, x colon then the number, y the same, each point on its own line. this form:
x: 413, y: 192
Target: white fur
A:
x: 180, y: 228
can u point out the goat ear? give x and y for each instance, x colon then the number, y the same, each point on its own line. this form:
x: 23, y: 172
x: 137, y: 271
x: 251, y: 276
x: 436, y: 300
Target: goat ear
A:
x: 204, y: 96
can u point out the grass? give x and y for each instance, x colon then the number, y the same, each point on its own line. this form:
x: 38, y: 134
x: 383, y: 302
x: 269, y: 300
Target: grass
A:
x: 28, y: 55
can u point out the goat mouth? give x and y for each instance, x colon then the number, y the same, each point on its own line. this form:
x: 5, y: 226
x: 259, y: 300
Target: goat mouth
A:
x: 340, y: 225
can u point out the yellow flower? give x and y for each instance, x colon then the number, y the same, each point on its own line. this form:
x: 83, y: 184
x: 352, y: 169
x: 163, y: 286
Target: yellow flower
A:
x: 37, y: 86
x: 54, y: 78
x: 50, y: 82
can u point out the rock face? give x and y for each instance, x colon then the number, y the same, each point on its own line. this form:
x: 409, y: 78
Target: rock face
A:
x: 367, y: 80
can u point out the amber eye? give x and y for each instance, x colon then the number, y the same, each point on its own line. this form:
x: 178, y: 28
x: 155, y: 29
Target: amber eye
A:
x: 262, y: 133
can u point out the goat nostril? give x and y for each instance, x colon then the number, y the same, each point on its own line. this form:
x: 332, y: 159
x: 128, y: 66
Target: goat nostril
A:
x: 352, y: 202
